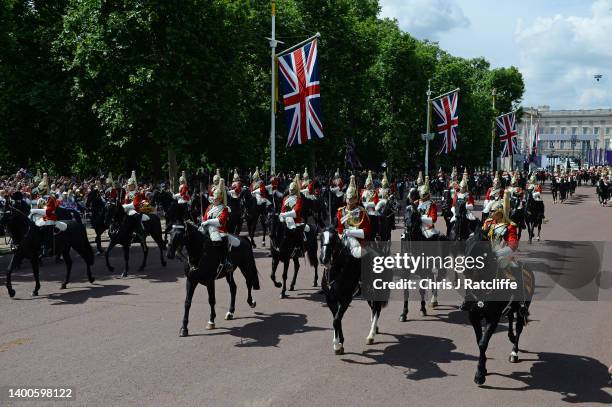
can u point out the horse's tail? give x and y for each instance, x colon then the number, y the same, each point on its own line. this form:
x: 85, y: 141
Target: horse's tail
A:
x: 249, y: 269
x: 81, y: 245
x: 311, y: 246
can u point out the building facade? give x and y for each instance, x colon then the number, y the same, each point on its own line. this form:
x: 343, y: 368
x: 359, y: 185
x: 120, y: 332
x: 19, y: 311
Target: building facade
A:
x: 567, y: 133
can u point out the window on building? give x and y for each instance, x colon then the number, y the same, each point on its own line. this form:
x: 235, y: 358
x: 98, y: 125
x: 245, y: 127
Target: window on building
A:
x: 574, y: 130
x: 562, y: 130
x: 562, y: 144
x: 607, y: 131
x: 596, y: 130
x: 551, y: 144
x: 585, y: 130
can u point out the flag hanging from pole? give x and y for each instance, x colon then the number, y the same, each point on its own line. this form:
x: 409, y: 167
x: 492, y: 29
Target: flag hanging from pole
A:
x: 446, y: 108
x: 506, y: 130
x: 301, y: 93
x: 534, y: 142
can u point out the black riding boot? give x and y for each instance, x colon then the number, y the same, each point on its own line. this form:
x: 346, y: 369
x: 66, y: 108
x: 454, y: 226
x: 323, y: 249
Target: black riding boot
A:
x: 48, y: 242
x: 225, y: 265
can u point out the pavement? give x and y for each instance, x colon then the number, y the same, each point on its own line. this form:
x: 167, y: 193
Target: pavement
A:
x: 116, y: 341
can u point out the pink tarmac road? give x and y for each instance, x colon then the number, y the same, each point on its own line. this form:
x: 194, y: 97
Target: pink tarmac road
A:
x: 116, y: 341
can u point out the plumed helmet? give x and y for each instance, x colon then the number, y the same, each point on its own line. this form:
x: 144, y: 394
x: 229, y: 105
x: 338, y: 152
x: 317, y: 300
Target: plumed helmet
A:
x: 351, y: 191
x: 219, y: 193
x: 420, y: 179
x: 132, y: 179
x: 183, y: 177
x: 109, y: 179
x: 463, y: 185
x: 515, y: 178
x: 294, y: 187
x: 236, y: 176
x: 424, y: 189
x: 255, y: 175
x: 41, y: 203
x: 533, y: 179
x: 43, y: 186
x: 369, y: 183
x: 440, y: 172
x: 217, y: 177
x: 503, y: 207
x: 37, y: 177
x: 454, y: 174
x: 385, y: 181
x: 337, y: 174
x: 496, y: 181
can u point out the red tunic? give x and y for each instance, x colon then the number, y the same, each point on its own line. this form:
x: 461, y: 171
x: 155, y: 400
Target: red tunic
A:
x: 184, y: 192
x: 511, y: 237
x: 432, y: 213
x: 501, y: 193
x: 223, y: 218
x: 470, y: 200
x: 364, y: 223
x: 297, y: 208
x: 237, y: 187
x: 50, y: 209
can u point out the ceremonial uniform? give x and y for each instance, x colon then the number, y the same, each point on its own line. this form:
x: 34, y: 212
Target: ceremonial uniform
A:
x: 338, y: 185
x: 291, y: 211
x: 428, y: 211
x: 369, y: 196
x: 258, y: 190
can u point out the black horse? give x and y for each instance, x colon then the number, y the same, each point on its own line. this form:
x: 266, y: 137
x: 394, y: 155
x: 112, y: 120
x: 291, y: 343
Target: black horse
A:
x: 482, y: 307
x: 517, y: 213
x: 97, y: 216
x: 332, y: 203
x: 254, y: 213
x: 163, y: 199
x: 603, y: 192
x: 534, y: 214
x: 314, y: 208
x: 447, y: 213
x: 554, y: 189
x: 289, y: 244
x: 28, y: 240
x: 126, y: 229
x: 462, y: 226
x: 202, y: 268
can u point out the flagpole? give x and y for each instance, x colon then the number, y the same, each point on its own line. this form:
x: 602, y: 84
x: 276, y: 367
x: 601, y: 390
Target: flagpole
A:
x: 427, y: 136
x: 493, y: 129
x: 272, y: 93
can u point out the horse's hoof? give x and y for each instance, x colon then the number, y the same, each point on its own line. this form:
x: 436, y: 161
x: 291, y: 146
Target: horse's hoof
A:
x: 253, y: 304
x: 277, y: 284
x: 479, y: 378
x: 513, y: 358
x: 210, y: 325
x: 92, y: 280
x: 292, y: 288
x: 229, y: 316
x: 183, y: 332
x: 315, y: 284
x: 433, y: 304
x: 403, y: 318
x: 63, y: 287
x: 369, y: 340
x: 124, y: 274
x: 11, y: 293
x: 339, y: 351
x: 423, y: 312
x: 35, y: 293
x: 283, y: 296
x: 99, y: 253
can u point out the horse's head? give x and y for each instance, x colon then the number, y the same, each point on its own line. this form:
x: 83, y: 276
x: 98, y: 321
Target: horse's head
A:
x: 176, y: 240
x: 412, y: 222
x: 114, y: 213
x: 329, y: 241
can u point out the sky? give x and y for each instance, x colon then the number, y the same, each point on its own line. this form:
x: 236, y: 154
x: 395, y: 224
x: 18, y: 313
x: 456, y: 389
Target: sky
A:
x: 558, y: 45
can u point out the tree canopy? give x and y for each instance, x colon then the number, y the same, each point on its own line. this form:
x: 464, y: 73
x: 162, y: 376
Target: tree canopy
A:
x: 97, y: 85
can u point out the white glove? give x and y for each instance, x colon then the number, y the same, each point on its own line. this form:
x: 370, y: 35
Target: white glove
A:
x: 213, y: 222
x: 358, y: 233
x: 369, y: 205
x: 426, y: 220
x: 206, y: 222
x: 469, y: 207
x: 334, y: 189
x: 290, y: 214
x: 37, y: 211
x: 281, y: 216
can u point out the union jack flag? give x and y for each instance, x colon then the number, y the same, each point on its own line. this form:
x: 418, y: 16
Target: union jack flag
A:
x: 534, y: 142
x: 508, y: 135
x: 447, y: 120
x: 301, y: 94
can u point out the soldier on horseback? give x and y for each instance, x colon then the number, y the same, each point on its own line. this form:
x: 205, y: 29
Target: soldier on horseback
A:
x: 291, y: 210
x: 46, y: 220
x: 135, y: 202
x: 453, y: 184
x: 353, y: 222
x: 258, y: 190
x: 428, y: 211
x: 182, y: 196
x: 384, y: 193
x: 236, y: 188
x: 463, y: 194
x: 214, y: 221
x: 308, y: 192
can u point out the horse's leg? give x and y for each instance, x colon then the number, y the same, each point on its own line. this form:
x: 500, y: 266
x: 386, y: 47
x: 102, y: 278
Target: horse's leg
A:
x: 483, y: 344
x: 511, y: 335
x: 423, y: 309
x: 433, y: 303
x: 339, y: 339
x: 126, y: 259
x: 161, y: 245
x: 332, y: 304
x: 68, y: 261
x: 375, y: 307
x: 275, y: 262
x: 315, y: 283
x: 232, y: 285
x: 9, y: 272
x: 264, y: 228
x: 520, y: 322
x: 211, y: 301
x: 99, y: 243
x: 285, y: 273
x: 296, y: 268
x: 36, y: 271
x: 145, y: 254
x: 190, y: 289
x: 404, y: 315
x: 111, y: 245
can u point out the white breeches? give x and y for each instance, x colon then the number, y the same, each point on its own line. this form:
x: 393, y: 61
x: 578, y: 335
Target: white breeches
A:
x: 354, y: 246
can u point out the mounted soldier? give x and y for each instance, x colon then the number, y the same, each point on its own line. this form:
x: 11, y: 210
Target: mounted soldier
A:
x: 273, y: 189
x: 428, y: 211
x: 463, y: 195
x: 135, y: 203
x: 182, y: 196
x: 291, y: 210
x: 258, y: 190
x: 308, y: 192
x: 453, y: 185
x: 338, y: 185
x: 46, y: 219
x: 353, y: 222
x: 211, y: 187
